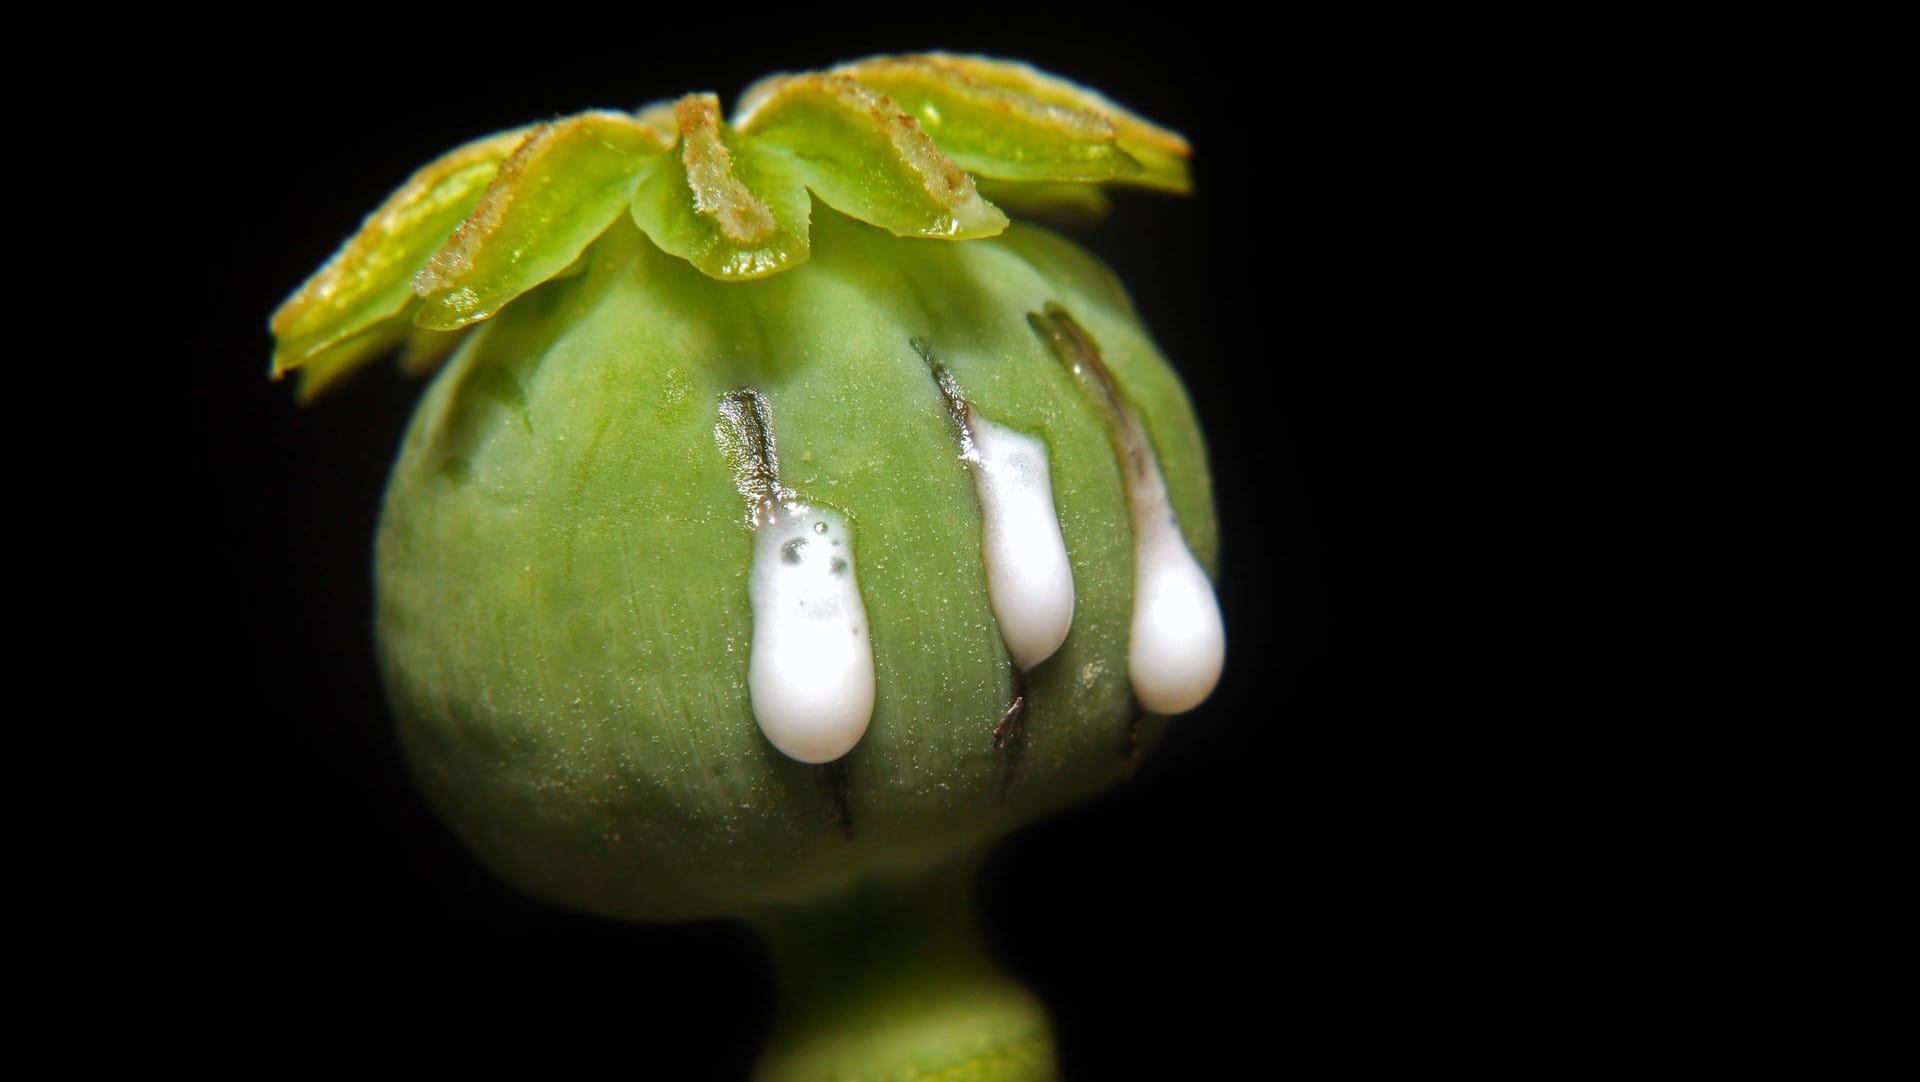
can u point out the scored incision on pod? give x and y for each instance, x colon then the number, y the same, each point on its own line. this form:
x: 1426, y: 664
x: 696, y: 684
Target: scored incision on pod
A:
x: 810, y: 670
x: 1029, y: 580
x: 1178, y: 642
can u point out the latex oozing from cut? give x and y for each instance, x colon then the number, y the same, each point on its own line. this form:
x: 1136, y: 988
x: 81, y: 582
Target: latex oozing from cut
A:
x: 1029, y: 581
x: 811, y: 671
x: 1178, y: 643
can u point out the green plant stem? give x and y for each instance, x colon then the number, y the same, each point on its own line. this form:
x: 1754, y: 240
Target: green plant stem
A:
x: 892, y: 981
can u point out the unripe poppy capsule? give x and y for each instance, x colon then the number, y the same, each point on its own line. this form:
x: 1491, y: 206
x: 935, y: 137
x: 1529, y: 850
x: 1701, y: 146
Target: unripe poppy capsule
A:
x: 784, y: 523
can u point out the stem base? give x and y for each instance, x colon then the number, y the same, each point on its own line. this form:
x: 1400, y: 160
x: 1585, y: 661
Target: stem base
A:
x: 892, y: 982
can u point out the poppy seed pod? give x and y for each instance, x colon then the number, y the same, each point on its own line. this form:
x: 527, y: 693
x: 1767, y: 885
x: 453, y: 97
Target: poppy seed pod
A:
x: 784, y: 523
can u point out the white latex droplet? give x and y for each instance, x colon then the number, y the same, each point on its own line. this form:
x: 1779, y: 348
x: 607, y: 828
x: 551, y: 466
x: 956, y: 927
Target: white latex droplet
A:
x: 1179, y: 643
x: 810, y: 673
x: 1029, y: 580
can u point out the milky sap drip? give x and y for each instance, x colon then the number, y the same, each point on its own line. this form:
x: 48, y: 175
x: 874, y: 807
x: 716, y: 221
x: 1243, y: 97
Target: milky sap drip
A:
x: 810, y: 673
x: 1029, y: 581
x: 810, y: 669
x: 1179, y: 642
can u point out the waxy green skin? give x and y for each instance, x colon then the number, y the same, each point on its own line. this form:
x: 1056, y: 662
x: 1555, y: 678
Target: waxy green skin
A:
x: 563, y: 617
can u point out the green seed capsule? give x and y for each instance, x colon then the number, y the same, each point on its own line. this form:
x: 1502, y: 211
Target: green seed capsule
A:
x: 699, y: 566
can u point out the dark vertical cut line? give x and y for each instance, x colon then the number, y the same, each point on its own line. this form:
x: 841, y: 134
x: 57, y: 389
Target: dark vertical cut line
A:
x: 957, y: 407
x: 837, y: 785
x: 1009, y: 732
x: 745, y: 434
x: 1178, y: 640
x: 1073, y: 347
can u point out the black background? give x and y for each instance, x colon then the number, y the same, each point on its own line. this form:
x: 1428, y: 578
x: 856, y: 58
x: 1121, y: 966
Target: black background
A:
x: 1276, y: 878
